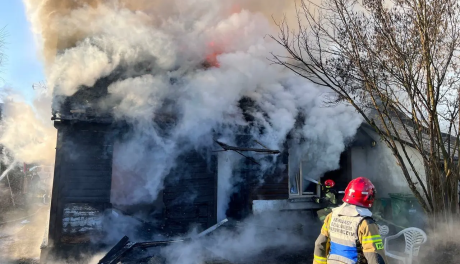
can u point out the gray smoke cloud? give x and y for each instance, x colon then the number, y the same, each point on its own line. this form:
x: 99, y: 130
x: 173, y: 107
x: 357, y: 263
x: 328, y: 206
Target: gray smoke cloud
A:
x: 231, y: 37
x: 25, y: 131
x: 254, y: 240
x: 227, y: 161
x: 85, y: 41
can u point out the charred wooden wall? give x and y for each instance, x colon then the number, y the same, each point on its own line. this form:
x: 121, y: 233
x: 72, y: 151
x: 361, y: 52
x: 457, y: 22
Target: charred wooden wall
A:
x: 83, y: 177
x: 275, y: 185
x: 190, y: 193
x: 82, y: 182
x: 256, y: 184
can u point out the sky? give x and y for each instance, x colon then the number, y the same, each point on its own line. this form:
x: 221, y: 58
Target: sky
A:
x: 22, y: 67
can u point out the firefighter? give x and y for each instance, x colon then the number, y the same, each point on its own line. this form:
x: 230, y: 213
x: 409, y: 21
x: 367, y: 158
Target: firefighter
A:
x: 349, y: 234
x: 329, y: 198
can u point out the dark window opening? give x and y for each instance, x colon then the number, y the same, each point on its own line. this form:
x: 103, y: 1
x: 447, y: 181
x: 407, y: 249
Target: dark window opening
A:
x: 341, y: 176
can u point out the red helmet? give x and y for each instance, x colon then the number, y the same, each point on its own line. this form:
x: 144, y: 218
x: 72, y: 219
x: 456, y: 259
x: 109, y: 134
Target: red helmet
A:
x: 360, y: 192
x: 329, y: 183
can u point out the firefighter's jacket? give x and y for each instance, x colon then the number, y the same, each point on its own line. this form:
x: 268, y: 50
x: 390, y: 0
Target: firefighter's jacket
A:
x: 349, y: 235
x: 330, y: 197
x: 331, y: 200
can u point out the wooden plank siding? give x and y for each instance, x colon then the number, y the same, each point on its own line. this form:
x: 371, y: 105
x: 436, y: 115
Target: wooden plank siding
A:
x: 255, y: 185
x: 275, y: 185
x: 190, y: 193
x: 82, y: 182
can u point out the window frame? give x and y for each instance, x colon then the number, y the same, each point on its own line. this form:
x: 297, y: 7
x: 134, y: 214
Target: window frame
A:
x: 299, y: 181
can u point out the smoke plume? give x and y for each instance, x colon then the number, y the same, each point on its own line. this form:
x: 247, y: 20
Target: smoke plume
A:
x: 58, y: 33
x: 198, y: 58
x: 25, y: 133
x: 84, y: 41
x: 247, y: 240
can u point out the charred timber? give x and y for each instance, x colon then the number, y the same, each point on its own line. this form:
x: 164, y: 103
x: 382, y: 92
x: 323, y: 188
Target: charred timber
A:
x: 265, y: 150
x: 124, y: 245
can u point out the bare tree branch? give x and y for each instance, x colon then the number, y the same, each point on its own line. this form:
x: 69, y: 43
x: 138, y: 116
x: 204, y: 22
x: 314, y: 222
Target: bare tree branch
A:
x: 398, y: 64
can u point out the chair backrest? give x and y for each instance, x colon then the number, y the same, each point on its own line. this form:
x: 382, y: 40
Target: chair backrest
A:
x: 384, y: 230
x: 414, y: 236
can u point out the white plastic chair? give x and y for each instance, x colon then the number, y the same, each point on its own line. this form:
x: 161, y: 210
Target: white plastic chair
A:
x: 383, y: 230
x: 414, y: 238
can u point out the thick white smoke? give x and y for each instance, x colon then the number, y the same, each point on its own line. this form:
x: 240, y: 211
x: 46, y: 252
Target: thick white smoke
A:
x: 252, y: 239
x: 227, y: 161
x: 87, y: 40
x: 175, y: 43
x: 25, y: 133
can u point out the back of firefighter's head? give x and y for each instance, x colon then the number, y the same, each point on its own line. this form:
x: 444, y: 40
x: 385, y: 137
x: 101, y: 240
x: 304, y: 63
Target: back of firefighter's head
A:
x: 329, y: 183
x: 360, y: 192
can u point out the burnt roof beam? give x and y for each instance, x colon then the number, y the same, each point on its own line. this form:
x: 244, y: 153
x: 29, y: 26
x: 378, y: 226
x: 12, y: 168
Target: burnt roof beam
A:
x: 265, y: 150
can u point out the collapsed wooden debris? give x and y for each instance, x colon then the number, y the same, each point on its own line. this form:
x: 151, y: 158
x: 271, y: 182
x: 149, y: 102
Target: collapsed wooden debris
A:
x: 124, y: 245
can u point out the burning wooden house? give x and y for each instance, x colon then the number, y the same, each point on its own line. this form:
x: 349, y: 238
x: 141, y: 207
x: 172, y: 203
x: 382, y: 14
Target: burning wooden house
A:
x: 83, y: 176
x: 84, y: 182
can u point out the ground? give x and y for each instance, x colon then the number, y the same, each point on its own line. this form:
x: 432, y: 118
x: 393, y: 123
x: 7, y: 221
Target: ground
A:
x: 22, y: 230
x: 21, y: 234
x: 270, y: 256
x: 445, y: 253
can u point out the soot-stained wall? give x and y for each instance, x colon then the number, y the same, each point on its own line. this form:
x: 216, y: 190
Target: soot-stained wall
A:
x: 190, y: 193
x: 256, y: 183
x: 82, y: 182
